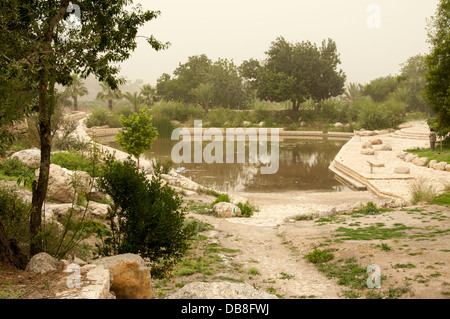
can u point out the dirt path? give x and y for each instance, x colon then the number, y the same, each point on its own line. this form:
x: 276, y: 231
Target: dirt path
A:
x: 409, y: 244
x: 281, y: 270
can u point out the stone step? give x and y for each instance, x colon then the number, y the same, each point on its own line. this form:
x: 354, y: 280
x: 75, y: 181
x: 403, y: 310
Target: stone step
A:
x: 346, y: 179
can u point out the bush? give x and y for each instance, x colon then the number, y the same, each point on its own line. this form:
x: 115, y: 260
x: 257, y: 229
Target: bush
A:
x: 373, y: 116
x: 246, y: 209
x: 147, y: 218
x: 319, y: 256
x: 74, y: 161
x: 14, y: 168
x: 14, y: 213
x: 101, y: 117
x: 221, y: 198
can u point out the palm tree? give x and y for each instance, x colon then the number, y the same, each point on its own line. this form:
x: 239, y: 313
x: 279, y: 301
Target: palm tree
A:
x: 204, y: 94
x: 108, y: 94
x: 75, y: 89
x: 134, y: 99
x: 148, y: 94
x: 354, y: 92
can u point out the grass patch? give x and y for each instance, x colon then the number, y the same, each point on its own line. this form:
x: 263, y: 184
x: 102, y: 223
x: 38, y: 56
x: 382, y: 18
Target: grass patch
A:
x: 371, y: 232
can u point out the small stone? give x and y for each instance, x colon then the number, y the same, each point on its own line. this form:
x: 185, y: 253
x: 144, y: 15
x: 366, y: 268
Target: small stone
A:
x: 440, y: 166
x: 410, y: 157
x: 368, y: 151
x: 366, y: 145
x: 376, y: 141
x: 432, y: 163
x: 402, y: 170
x: 385, y: 147
x: 420, y: 161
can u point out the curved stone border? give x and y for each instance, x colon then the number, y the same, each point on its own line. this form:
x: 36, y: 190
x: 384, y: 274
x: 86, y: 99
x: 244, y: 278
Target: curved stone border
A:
x: 422, y: 161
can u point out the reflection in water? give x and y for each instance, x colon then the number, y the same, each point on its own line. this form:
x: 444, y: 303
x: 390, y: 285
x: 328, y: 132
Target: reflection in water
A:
x: 303, y: 166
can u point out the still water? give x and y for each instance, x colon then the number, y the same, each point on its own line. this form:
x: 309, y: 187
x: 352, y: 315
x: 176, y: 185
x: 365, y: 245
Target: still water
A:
x: 303, y: 166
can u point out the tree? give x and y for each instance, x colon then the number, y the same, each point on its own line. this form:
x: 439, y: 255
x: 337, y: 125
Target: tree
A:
x: 42, y: 45
x: 249, y: 71
x: 75, y: 89
x: 109, y: 94
x: 353, y: 92
x: 148, y: 94
x: 437, y: 89
x: 229, y: 90
x: 300, y: 71
x: 380, y: 88
x: 204, y: 94
x: 135, y: 100
x: 138, y: 133
x: 412, y: 83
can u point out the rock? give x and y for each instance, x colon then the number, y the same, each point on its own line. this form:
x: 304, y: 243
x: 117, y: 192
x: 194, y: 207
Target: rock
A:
x: 261, y: 124
x: 385, y: 147
x: 401, y: 170
x: 366, y: 133
x: 61, y: 183
x: 440, y: 166
x: 420, y: 161
x: 226, y: 210
x: 131, y: 278
x: 220, y: 290
x: 402, y: 155
x: 376, y: 141
x: 42, y: 263
x: 302, y: 124
x: 447, y: 168
x: 410, y: 157
x: 338, y: 125
x: 366, y: 145
x: 432, y: 163
x: 98, y: 209
x: 99, y: 283
x: 368, y: 151
x: 246, y: 123
x: 30, y: 157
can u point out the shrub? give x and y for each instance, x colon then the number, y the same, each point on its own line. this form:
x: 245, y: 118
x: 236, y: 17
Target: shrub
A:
x: 422, y: 192
x: 246, y: 209
x: 221, y: 198
x: 14, y: 213
x: 101, y: 117
x: 319, y: 256
x: 381, y: 115
x: 74, y: 161
x: 147, y: 218
x: 14, y: 168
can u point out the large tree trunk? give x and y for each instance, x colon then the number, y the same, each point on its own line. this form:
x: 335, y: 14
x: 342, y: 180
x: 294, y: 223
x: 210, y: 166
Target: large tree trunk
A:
x: 295, y: 105
x: 110, y: 105
x: 10, y: 255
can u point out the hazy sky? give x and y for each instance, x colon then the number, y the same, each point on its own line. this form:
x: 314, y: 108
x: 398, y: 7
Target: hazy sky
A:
x: 244, y: 29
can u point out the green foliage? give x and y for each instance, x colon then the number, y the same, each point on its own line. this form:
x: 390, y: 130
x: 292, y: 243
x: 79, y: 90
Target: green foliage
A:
x: 199, y: 80
x: 74, y: 161
x: 373, y: 116
x: 14, y: 213
x: 369, y: 209
x: 221, y: 198
x: 138, y: 133
x: 102, y: 117
x: 380, y: 88
x: 14, y: 168
x: 162, y: 166
x: 163, y: 125
x: 318, y: 256
x: 291, y: 72
x: 147, y: 218
x: 247, y: 209
x: 437, y: 89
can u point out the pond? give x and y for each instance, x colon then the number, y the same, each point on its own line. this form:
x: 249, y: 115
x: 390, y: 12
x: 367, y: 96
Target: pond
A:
x: 303, y: 166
